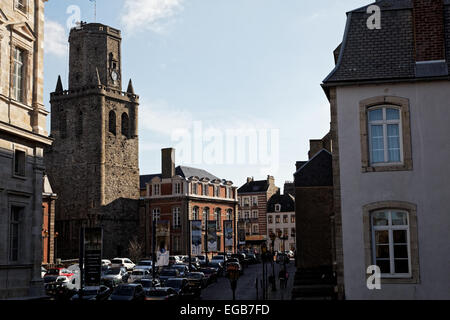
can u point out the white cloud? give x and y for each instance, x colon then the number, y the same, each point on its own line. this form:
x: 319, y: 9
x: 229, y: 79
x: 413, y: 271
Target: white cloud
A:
x: 153, y: 15
x: 55, y: 39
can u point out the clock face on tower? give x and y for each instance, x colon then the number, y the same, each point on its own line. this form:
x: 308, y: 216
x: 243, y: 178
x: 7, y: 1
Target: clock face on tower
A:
x: 114, y: 75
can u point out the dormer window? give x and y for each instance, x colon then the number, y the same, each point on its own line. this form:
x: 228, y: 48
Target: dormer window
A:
x: 177, y: 188
x: 156, y: 190
x: 277, y: 207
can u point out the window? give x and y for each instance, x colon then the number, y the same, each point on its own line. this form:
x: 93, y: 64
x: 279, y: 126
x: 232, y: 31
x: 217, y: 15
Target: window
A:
x: 385, y: 134
x: 293, y: 232
x: 195, y: 188
x: 156, y: 214
x: 125, y: 124
x: 112, y: 122
x: 205, y: 217
x: 16, y: 214
x: 246, y: 214
x: 228, y: 193
x: 277, y: 219
x: 218, y: 192
x: 285, y: 219
x: 277, y: 207
x: 19, y: 163
x: 286, y: 233
x: 195, y: 213
x: 176, y: 218
x: 156, y: 189
x: 246, y: 202
x: 18, y: 74
x: 21, y: 5
x: 270, y: 219
x: 218, y: 218
x: 255, y: 214
x: 229, y: 214
x: 239, y: 201
x: 292, y: 218
x: 255, y: 229
x: 205, y: 190
x: 239, y: 215
x: 391, y: 241
x: 177, y: 188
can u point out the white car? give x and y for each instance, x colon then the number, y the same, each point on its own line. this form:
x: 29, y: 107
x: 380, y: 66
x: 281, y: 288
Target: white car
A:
x: 106, y: 262
x: 122, y: 262
x: 144, y: 264
x: 138, y: 274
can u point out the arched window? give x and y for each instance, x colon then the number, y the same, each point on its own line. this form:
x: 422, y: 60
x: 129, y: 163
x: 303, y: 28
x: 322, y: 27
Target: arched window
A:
x: 125, y: 124
x: 229, y: 214
x: 112, y: 122
x: 218, y: 218
x: 195, y: 212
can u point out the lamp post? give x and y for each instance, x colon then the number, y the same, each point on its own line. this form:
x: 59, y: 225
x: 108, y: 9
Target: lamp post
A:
x: 273, y: 237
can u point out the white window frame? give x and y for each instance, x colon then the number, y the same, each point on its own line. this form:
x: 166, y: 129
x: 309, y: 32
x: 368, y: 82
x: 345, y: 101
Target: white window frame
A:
x: 156, y: 214
x: 18, y: 78
x: 390, y: 228
x: 177, y: 188
x: 176, y: 217
x: 385, y: 124
x: 278, y: 207
x: 255, y: 214
x: 157, y: 189
x: 255, y: 201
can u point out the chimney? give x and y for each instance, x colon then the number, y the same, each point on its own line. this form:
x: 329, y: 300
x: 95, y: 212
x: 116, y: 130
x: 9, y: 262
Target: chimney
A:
x: 429, y: 37
x: 314, y: 147
x: 168, y: 163
x: 271, y: 180
x: 249, y: 179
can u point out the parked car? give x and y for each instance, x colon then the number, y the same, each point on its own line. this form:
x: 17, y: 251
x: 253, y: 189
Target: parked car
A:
x: 106, y: 262
x: 181, y: 286
x: 122, y: 262
x: 104, y: 269
x: 241, y: 257
x: 251, y: 258
x: 156, y: 294
x: 61, y: 285
x: 235, y: 262
x: 138, y: 274
x: 197, y: 279
x: 210, y: 274
x: 115, y: 276
x: 93, y: 293
x: 128, y: 292
x: 167, y: 274
x: 201, y: 260
x: 59, y: 272
x: 218, y: 266
x: 144, y: 264
x: 174, y: 260
x: 219, y: 258
x: 149, y: 283
x: 182, y: 268
x: 43, y: 272
x: 194, y: 262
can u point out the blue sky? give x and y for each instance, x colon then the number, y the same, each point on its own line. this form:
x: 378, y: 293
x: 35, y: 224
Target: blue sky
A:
x: 220, y: 65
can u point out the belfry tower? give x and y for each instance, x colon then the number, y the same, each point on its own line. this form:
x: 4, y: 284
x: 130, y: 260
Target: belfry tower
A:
x: 93, y: 164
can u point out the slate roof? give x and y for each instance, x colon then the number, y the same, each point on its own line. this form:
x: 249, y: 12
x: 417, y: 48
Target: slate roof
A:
x: 185, y: 172
x: 317, y: 172
x: 384, y: 54
x: 254, y: 186
x: 286, y: 201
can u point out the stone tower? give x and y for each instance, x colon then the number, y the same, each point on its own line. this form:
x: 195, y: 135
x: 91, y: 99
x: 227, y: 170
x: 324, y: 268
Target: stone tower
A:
x: 93, y: 163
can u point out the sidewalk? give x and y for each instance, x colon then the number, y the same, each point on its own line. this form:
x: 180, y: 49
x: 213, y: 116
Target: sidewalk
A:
x: 285, y: 293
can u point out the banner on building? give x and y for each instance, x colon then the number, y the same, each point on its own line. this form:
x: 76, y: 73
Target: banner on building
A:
x: 241, y: 236
x: 93, y: 241
x: 228, y: 229
x: 212, y: 236
x: 196, y: 237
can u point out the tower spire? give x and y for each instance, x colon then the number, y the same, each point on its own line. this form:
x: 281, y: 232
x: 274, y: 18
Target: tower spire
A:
x: 59, y: 86
x: 130, y: 87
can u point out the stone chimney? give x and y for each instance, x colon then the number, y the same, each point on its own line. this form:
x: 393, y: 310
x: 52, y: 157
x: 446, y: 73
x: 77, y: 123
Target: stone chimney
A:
x: 314, y: 147
x: 271, y: 180
x: 250, y: 179
x: 168, y: 163
x: 429, y: 37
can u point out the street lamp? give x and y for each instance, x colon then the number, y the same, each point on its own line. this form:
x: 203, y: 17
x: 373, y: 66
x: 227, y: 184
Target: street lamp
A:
x: 273, y: 237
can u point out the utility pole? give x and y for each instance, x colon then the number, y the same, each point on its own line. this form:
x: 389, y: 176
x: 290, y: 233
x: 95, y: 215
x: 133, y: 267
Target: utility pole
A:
x: 153, y: 250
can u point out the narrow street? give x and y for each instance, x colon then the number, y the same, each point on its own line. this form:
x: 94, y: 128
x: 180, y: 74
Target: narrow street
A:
x: 246, y: 287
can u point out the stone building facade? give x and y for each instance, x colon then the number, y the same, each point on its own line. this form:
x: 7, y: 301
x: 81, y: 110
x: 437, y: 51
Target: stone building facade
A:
x: 23, y: 137
x: 281, y: 223
x: 182, y: 194
x: 93, y: 165
x: 252, y: 216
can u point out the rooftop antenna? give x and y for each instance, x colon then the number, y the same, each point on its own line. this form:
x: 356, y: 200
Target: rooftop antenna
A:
x: 95, y: 9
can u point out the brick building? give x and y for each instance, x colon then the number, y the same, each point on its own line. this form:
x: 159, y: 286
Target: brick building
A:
x: 23, y: 137
x: 93, y: 165
x: 181, y: 194
x: 252, y: 215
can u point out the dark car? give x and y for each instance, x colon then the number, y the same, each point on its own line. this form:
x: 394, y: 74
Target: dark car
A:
x: 210, y: 274
x: 159, y: 293
x: 128, y: 292
x: 93, y: 293
x: 251, y: 258
x: 202, y: 260
x: 217, y: 266
x: 149, y: 283
x: 181, y: 286
x: 197, y: 281
x: 182, y: 269
x: 115, y: 276
x: 167, y: 274
x: 195, y: 262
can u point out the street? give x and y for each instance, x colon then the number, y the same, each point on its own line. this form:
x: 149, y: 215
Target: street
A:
x: 246, y: 287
